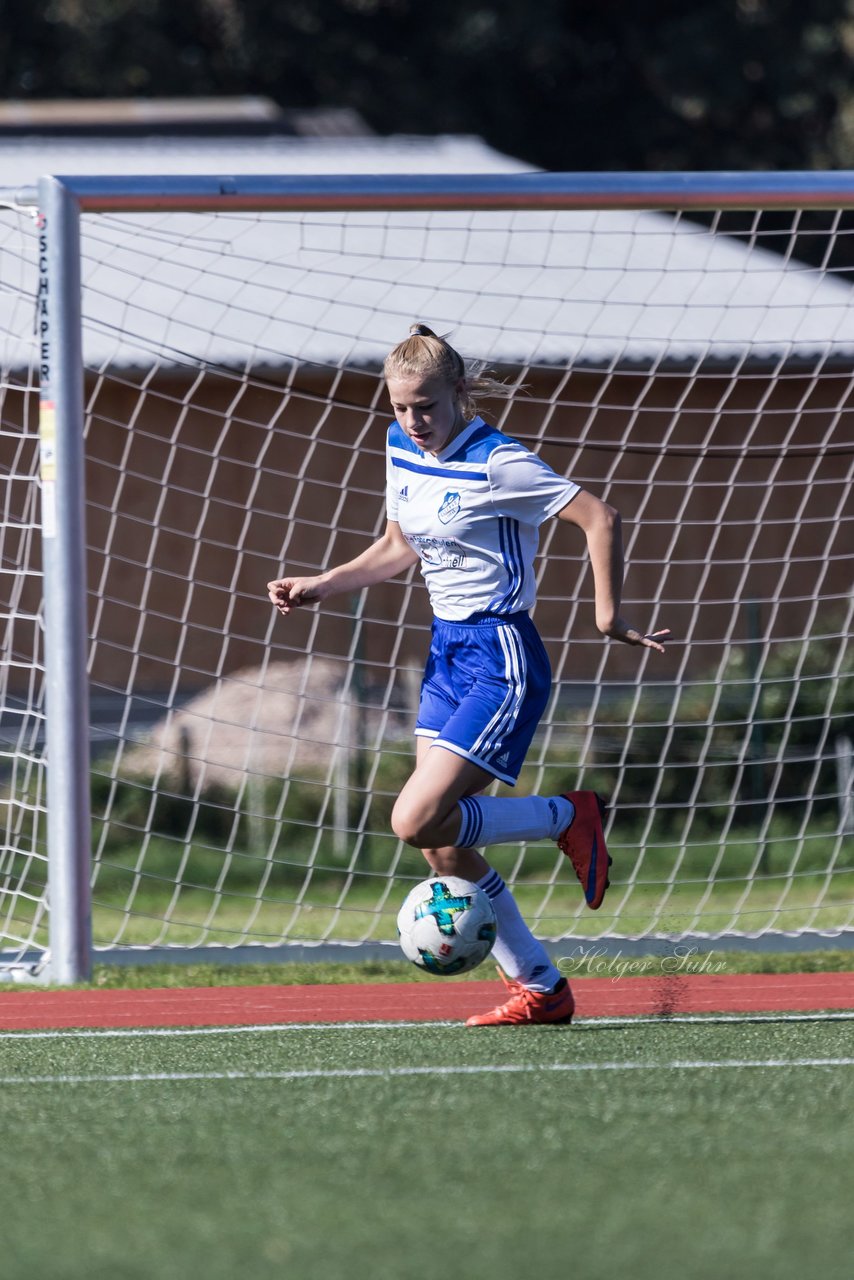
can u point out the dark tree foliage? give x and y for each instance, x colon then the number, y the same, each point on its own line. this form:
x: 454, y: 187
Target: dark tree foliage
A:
x: 591, y: 85
x: 596, y: 84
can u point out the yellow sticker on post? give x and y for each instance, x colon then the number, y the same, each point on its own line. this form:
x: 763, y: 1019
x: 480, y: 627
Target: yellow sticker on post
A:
x: 47, y: 466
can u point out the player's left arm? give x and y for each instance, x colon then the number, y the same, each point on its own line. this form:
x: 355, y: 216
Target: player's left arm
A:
x: 602, y: 528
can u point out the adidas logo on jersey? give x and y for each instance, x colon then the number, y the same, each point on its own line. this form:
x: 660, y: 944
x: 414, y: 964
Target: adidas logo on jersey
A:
x: 403, y: 495
x: 504, y: 759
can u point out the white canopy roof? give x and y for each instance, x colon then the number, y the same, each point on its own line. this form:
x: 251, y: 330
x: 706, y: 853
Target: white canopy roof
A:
x: 526, y: 286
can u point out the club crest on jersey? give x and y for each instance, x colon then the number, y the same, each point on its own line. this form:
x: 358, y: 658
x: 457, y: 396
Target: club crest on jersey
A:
x: 450, y: 507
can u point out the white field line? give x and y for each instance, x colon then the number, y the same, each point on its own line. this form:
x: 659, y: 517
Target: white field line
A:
x: 390, y: 1073
x: 579, y: 1024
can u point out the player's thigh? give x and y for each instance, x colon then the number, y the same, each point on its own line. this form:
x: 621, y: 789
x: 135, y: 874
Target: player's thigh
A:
x: 440, y: 780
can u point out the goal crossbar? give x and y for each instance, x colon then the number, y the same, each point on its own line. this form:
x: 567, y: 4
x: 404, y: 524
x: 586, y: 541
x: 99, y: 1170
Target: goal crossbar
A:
x: 706, y: 191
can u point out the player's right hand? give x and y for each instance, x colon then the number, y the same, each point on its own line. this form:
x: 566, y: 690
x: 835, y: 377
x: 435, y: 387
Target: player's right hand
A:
x: 288, y: 594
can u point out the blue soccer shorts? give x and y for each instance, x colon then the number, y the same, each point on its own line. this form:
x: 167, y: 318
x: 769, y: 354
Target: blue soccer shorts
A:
x: 486, y: 685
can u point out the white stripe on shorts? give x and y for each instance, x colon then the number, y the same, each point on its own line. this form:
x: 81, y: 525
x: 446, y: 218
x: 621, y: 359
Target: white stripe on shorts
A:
x: 516, y: 675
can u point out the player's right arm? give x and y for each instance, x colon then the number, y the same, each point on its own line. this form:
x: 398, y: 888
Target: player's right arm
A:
x: 389, y: 555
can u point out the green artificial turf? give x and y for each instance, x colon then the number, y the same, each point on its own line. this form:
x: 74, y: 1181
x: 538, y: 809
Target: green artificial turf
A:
x: 411, y: 1152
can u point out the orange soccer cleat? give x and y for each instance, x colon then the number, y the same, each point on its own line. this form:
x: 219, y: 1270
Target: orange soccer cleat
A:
x: 583, y: 842
x: 526, y: 1006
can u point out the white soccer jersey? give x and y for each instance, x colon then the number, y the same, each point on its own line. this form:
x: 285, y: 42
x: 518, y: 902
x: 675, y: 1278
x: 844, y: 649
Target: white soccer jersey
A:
x: 472, y: 512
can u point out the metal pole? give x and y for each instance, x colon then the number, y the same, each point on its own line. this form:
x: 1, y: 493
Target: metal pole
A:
x: 756, y: 747
x: 64, y: 568
x: 845, y: 784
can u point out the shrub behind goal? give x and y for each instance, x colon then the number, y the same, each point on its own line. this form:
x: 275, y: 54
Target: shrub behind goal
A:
x: 224, y: 412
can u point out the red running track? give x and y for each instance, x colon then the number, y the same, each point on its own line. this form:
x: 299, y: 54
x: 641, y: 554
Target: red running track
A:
x: 416, y: 1001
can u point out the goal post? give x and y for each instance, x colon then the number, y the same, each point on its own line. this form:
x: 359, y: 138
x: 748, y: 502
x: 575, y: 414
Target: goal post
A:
x: 207, y: 361
x: 63, y: 548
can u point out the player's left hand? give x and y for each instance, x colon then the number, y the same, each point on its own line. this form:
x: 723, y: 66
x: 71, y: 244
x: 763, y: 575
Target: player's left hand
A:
x: 620, y: 630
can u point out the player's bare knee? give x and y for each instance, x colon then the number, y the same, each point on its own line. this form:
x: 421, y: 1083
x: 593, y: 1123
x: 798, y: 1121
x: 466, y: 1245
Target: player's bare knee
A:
x: 403, y: 822
x: 414, y: 824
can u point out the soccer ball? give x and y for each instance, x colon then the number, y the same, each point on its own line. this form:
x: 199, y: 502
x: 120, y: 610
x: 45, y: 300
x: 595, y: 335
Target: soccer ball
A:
x: 446, y: 925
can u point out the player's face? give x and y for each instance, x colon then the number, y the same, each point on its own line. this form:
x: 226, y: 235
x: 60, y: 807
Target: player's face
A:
x: 427, y: 409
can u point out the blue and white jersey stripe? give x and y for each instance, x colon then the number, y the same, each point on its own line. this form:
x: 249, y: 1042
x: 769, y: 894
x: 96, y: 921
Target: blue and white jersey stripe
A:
x: 509, y: 540
x: 472, y: 512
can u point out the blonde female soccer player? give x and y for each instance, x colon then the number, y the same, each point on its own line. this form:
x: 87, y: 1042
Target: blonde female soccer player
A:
x: 467, y: 501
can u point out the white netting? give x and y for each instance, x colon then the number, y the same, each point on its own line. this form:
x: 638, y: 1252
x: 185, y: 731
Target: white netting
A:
x: 23, y: 858
x: 245, y: 765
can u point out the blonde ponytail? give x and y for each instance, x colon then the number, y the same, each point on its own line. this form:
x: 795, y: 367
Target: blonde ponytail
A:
x: 425, y: 355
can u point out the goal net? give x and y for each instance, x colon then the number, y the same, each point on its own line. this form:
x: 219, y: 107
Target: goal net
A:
x: 693, y: 368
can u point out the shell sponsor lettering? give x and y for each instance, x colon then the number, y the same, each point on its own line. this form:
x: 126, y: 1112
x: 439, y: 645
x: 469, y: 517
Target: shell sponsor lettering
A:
x: 441, y: 552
